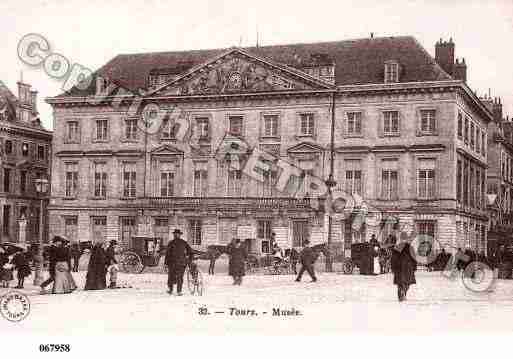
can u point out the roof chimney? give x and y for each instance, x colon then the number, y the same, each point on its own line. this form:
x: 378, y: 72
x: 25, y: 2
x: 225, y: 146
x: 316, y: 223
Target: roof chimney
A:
x: 444, y: 55
x: 460, y: 70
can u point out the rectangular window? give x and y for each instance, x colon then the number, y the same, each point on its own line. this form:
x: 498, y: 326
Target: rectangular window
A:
x: 306, y: 124
x: 195, y: 232
x: 300, y: 233
x: 426, y: 183
x: 391, y: 72
x: 459, y: 170
x: 129, y: 180
x: 23, y: 181
x: 72, y: 132
x: 466, y: 129
x: 41, y: 152
x: 268, y: 186
x: 472, y: 136
x: 202, y: 124
x: 6, y: 220
x: 427, y: 121
x: 478, y: 140
x: 99, y: 228
x: 270, y: 126
x: 234, y: 183
x: 100, y: 180
x: 131, y: 129
x: 161, y: 229
x: 460, y: 126
x: 167, y: 179
x: 354, y: 123
x: 71, y: 180
x: 101, y: 130
x: 25, y: 149
x: 167, y: 130
x: 264, y: 235
x: 484, y: 144
x: 465, y: 183
x: 7, y: 180
x: 391, y: 122
x: 389, y: 185
x: 8, y: 147
x: 472, y: 186
x: 71, y: 228
x: 126, y: 230
x: 426, y: 228
x: 478, y: 188
x: 235, y: 125
x: 354, y: 181
x: 200, y: 180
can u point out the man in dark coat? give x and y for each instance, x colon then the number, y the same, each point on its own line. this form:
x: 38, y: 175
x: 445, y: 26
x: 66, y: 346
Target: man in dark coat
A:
x: 403, y: 267
x: 307, y: 258
x: 75, y: 255
x: 51, y: 265
x: 178, y: 255
x: 237, y: 264
x: 96, y: 278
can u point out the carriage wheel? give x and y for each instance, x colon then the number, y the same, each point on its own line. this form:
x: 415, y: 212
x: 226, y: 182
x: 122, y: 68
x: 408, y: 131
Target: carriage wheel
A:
x: 348, y: 267
x: 131, y: 263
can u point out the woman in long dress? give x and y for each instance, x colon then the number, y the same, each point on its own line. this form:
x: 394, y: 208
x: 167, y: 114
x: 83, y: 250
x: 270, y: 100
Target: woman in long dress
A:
x: 97, y: 269
x: 237, y: 264
x: 64, y: 282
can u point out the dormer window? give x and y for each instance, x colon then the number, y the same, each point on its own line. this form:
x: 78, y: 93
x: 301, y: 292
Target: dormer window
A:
x: 101, y: 85
x: 391, y: 71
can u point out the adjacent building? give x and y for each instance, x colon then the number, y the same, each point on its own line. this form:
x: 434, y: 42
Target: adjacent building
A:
x: 409, y: 137
x: 25, y: 147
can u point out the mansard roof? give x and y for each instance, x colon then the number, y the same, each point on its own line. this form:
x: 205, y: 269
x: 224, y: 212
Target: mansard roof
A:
x: 357, y: 62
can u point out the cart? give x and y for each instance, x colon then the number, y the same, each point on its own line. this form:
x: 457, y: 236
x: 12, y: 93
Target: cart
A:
x: 144, y: 252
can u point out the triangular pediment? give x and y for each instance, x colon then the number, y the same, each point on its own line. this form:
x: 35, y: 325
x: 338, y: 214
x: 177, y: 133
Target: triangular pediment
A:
x: 305, y: 147
x: 167, y: 150
x: 237, y: 71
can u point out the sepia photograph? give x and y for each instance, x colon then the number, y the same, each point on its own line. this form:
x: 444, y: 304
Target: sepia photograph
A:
x: 261, y: 169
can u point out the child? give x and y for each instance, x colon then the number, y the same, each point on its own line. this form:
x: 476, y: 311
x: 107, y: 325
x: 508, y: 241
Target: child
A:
x: 22, y: 267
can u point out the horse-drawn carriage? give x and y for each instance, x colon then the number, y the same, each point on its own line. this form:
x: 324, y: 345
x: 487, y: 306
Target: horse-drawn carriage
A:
x: 359, y: 250
x: 144, y: 252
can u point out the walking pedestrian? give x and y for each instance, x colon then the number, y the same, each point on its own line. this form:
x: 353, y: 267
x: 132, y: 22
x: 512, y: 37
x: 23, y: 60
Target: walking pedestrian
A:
x: 97, y: 268
x: 21, y: 265
x: 237, y: 263
x: 63, y: 280
x: 307, y: 259
x: 76, y: 253
x: 178, y: 255
x: 51, y: 265
x: 403, y: 267
x: 112, y: 264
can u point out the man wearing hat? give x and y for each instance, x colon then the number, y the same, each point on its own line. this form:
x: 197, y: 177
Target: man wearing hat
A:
x: 307, y: 258
x: 178, y: 255
x: 112, y: 263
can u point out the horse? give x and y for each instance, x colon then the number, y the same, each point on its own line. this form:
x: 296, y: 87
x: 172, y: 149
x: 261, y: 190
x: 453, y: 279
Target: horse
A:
x: 214, y: 251
x: 295, y: 255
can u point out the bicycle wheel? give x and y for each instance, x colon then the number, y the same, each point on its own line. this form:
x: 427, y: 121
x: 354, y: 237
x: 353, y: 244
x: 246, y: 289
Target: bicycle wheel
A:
x: 190, y: 282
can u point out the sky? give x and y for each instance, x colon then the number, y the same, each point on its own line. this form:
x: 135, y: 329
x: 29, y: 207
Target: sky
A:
x: 92, y: 32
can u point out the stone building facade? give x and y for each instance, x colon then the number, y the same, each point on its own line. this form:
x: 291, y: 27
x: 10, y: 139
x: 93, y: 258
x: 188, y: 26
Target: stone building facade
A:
x: 25, y: 156
x: 396, y: 144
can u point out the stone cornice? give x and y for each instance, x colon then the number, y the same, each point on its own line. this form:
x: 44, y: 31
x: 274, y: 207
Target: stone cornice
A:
x: 32, y: 132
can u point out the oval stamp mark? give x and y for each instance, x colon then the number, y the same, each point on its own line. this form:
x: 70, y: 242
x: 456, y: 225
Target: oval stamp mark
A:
x: 14, y: 306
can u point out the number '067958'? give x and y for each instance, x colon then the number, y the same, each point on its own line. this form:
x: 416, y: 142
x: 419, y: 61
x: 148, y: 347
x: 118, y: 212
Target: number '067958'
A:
x: 47, y: 348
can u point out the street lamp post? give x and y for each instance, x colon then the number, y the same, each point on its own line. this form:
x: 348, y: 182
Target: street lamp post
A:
x: 330, y: 183
x: 41, y: 189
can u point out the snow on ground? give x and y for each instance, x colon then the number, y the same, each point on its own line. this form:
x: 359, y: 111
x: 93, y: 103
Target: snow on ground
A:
x: 335, y: 303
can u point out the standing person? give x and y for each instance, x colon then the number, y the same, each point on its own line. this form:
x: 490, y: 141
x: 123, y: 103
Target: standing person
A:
x: 403, y: 267
x: 75, y: 255
x: 21, y: 265
x: 97, y: 268
x: 307, y: 258
x: 237, y: 264
x: 112, y: 264
x: 374, y: 254
x: 63, y: 281
x: 178, y: 255
x: 5, y: 271
x: 51, y: 265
